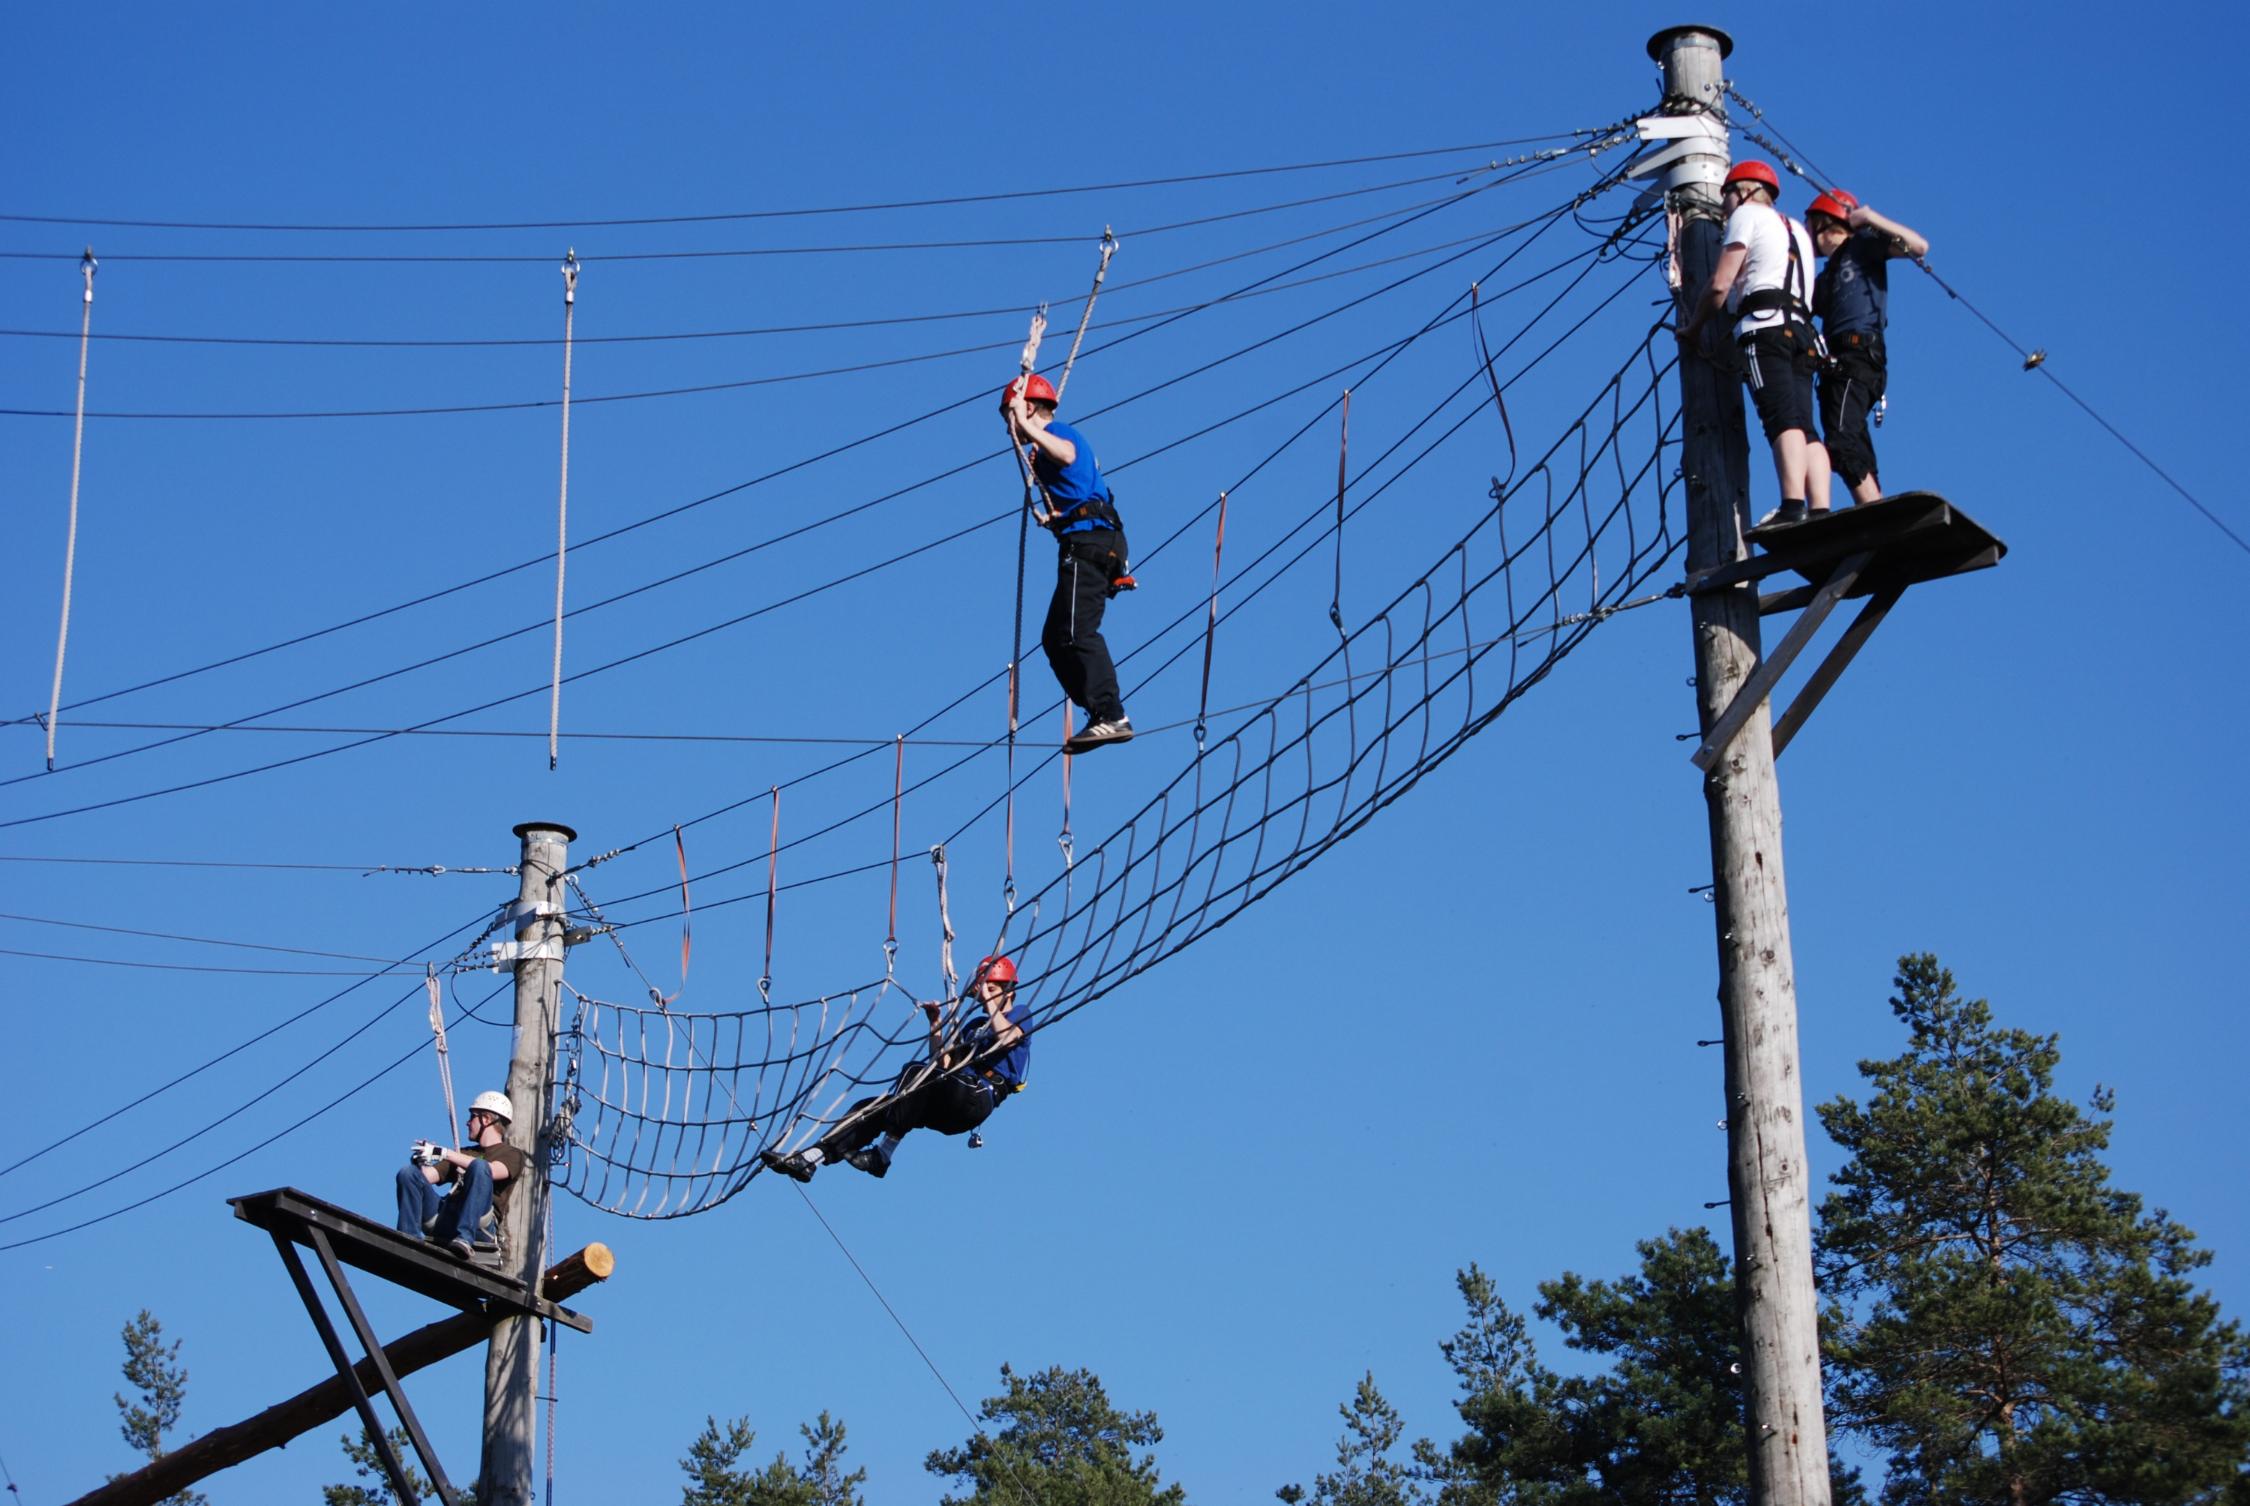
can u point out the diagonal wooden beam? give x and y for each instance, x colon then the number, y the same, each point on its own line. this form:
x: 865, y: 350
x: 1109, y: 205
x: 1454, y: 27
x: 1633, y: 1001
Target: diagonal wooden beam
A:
x: 1823, y: 679
x: 318, y: 1405
x: 1770, y: 669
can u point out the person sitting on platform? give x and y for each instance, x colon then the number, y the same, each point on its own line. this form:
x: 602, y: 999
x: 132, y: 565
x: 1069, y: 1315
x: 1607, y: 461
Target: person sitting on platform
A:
x: 1852, y: 297
x: 1764, y: 278
x: 481, y: 1176
x: 952, y: 1091
x: 1093, y: 564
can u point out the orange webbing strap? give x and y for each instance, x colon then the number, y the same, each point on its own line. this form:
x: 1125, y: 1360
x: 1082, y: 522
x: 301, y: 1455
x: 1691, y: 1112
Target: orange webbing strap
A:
x: 1211, y: 623
x: 773, y: 868
x: 679, y: 846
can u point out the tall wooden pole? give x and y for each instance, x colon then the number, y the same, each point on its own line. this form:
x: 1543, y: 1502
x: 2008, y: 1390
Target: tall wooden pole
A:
x: 511, y: 1364
x: 1766, y: 1174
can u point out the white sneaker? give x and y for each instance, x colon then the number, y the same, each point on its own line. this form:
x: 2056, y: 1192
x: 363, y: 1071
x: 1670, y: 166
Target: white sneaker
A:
x: 1100, y: 734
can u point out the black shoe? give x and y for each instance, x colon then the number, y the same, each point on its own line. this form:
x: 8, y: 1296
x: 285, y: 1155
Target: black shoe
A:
x: 1784, y: 515
x: 871, y: 1160
x: 1101, y: 735
x: 795, y: 1167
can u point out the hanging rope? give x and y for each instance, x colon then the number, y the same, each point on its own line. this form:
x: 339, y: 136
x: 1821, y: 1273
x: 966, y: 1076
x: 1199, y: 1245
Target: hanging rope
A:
x: 1211, y: 623
x: 1500, y: 402
x: 1031, y: 510
x: 898, y: 795
x: 773, y: 870
x: 562, y: 511
x: 663, y: 1001
x: 437, y: 1029
x: 86, y: 265
x: 1343, y: 455
x: 1109, y: 249
x: 1063, y: 838
x: 945, y: 928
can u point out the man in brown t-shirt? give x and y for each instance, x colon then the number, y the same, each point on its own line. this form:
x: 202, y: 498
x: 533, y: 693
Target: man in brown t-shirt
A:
x: 477, y: 1179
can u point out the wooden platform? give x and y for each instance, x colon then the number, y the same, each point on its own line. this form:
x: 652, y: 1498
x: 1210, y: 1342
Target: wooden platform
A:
x: 1876, y: 550
x: 1909, y: 538
x: 381, y: 1250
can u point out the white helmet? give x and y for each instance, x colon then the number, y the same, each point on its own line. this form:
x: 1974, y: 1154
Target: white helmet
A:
x: 495, y: 1104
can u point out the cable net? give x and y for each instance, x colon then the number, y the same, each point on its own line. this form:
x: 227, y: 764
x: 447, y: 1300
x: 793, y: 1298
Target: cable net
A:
x: 664, y: 1112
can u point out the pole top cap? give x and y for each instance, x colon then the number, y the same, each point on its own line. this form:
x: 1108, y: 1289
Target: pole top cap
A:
x: 1663, y: 39
x: 528, y: 827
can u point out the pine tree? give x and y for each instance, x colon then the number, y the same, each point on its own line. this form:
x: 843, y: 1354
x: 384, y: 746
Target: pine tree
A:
x: 2007, y: 1325
x: 367, y: 1464
x: 1366, y: 1474
x: 823, y: 1471
x: 1056, y: 1438
x: 1664, y: 1423
x: 153, y: 1369
x: 716, y: 1476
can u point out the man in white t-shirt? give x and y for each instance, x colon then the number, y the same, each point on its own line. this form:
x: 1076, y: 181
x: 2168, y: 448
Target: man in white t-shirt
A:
x: 1764, y: 277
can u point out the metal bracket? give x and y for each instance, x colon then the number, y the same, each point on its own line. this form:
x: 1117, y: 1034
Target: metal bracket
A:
x: 504, y: 953
x: 1698, y: 153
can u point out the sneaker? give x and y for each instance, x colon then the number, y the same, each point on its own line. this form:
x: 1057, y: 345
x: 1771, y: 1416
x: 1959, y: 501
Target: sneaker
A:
x: 794, y: 1167
x: 1784, y: 515
x: 1100, y: 734
x: 871, y: 1160
x: 460, y: 1248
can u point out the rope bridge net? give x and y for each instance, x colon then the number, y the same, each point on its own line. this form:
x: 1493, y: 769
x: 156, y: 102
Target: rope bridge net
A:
x: 662, y: 1112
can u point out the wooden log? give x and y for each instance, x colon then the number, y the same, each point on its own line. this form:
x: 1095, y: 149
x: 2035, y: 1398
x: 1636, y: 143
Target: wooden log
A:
x: 310, y: 1408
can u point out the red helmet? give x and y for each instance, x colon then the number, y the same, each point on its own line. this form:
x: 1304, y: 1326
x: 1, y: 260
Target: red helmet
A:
x: 999, y: 969
x: 1836, y: 203
x: 1755, y: 172
x: 1036, y: 389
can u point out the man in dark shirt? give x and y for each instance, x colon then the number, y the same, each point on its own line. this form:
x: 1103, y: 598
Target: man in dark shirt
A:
x: 953, y: 1091
x: 1852, y: 298
x: 1091, y: 568
x: 478, y: 1178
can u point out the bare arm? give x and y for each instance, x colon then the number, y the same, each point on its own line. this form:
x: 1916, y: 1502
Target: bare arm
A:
x: 457, y: 1162
x: 1713, y: 297
x: 1061, y: 449
x: 1905, y: 239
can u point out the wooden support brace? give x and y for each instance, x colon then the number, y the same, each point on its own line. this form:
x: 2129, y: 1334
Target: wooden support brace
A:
x: 1832, y: 668
x: 374, y: 1349
x: 317, y: 1405
x: 345, y: 1370
x: 1770, y: 669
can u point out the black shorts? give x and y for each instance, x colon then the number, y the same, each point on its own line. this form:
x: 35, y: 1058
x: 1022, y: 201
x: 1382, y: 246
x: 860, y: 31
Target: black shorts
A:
x: 1778, y: 363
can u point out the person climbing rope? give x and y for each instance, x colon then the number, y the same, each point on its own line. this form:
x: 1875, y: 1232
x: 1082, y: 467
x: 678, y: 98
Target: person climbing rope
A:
x: 1764, y: 278
x: 953, y: 1090
x: 1852, y: 296
x: 1082, y: 513
x: 482, y: 1175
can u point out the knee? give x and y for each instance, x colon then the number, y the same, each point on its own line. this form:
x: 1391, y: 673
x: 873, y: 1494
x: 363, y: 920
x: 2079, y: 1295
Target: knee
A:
x: 410, y: 1177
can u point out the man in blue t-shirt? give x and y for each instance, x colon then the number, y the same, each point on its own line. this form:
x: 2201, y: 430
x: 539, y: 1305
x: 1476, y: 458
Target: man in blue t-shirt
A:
x: 952, y: 1091
x: 1083, y: 516
x: 1852, y: 298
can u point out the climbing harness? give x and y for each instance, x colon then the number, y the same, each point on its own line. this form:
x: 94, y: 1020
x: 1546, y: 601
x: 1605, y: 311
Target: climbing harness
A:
x: 86, y: 265
x: 562, y: 512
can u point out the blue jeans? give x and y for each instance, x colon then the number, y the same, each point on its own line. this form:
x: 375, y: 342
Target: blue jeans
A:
x: 460, y: 1207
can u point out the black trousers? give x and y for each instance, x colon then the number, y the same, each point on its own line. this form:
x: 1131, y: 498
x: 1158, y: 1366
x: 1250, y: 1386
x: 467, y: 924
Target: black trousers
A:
x: 1848, y: 392
x: 1072, y: 635
x: 948, y: 1102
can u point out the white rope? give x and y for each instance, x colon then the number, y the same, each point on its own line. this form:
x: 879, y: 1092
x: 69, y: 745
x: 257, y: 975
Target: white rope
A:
x: 444, y: 1057
x: 562, y: 510
x: 945, y: 928
x: 86, y: 264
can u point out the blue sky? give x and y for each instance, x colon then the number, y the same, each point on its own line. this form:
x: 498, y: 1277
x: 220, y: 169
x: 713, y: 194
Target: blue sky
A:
x: 1247, y: 1177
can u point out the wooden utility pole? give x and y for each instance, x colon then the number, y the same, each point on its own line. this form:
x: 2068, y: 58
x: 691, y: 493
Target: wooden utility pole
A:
x: 511, y: 1365
x: 1766, y: 1174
